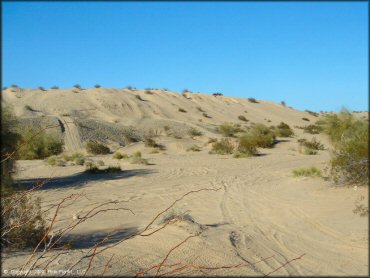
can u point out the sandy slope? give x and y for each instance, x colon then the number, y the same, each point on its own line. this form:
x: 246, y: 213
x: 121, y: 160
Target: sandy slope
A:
x: 259, y: 211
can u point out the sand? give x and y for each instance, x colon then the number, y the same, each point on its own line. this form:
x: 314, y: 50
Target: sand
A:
x: 259, y: 210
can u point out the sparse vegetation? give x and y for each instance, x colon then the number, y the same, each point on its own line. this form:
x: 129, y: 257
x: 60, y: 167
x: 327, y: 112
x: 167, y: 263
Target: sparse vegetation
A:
x: 350, y: 138
x: 77, y: 86
x: 194, y: 148
x: 242, y: 118
x: 139, y: 98
x: 307, y: 172
x: 95, y: 147
x: 313, y: 144
x: 97, y: 86
x: 93, y: 169
x: 38, y: 144
x: 262, y: 135
x: 55, y: 88
x: 217, y: 94
x: 42, y: 89
x: 206, y: 115
x: 284, y: 130
x: 312, y: 129
x: 252, y: 100
x: 283, y: 103
x: 247, y: 146
x: 229, y: 129
x: 118, y: 155
x: 29, y: 108
x: 306, y: 119
x: 200, y: 109
x: 182, y: 110
x: 224, y: 146
x: 136, y: 158
x: 194, y: 132
x: 148, y: 92
x: 312, y: 113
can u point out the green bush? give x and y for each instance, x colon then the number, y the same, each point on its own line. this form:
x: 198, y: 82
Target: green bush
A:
x: 284, y: 130
x: 307, y: 172
x: 350, y: 157
x: 247, y: 146
x: 224, y: 146
x: 117, y: 155
x: 38, y: 144
x: 52, y: 160
x: 242, y: 118
x: 263, y: 136
x: 228, y: 129
x: 95, y: 147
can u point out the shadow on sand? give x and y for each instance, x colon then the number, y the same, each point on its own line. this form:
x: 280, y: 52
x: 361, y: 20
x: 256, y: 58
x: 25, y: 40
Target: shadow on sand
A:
x: 79, y: 179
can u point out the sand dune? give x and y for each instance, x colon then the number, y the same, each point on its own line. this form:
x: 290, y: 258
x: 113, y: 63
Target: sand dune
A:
x: 259, y: 210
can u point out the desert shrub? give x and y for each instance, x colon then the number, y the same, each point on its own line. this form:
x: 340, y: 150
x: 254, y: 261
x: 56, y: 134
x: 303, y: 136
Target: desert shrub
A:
x: 22, y: 224
x: 315, y: 114
x: 206, y: 115
x: 29, y: 108
x: 139, y: 97
x: 155, y: 150
x: 212, y: 140
x: 95, y: 147
x: 194, y: 148
x: 313, y: 144
x: 283, y: 103
x: 224, y: 146
x: 60, y: 163
x: 242, y: 118
x: 307, y: 172
x: 91, y: 167
x: 136, y: 154
x: 264, y: 137
x: 42, y: 89
x: 77, y: 86
x: 149, y: 139
x: 350, y: 157
x: 228, y: 129
x: 148, y: 92
x: 97, y: 86
x: 117, y: 155
x: 79, y: 160
x: 284, y: 130
x: 312, y: 129
x: 305, y: 119
x: 252, y: 100
x: 217, y: 94
x: 194, y: 132
x: 4, y: 88
x: 55, y: 87
x: 100, y: 163
x: 247, y: 146
x: 166, y: 128
x: 200, y: 109
x: 38, y: 144
x: 138, y: 160
x: 14, y: 86
x: 52, y: 160
x: 182, y: 110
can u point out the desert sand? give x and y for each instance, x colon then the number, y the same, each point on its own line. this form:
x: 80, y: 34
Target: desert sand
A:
x: 258, y: 210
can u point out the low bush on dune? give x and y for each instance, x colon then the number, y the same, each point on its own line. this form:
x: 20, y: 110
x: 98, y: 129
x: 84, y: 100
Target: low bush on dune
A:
x: 313, y: 144
x: 139, y: 98
x: 194, y: 132
x: 55, y: 87
x: 194, y: 148
x: 97, y: 86
x: 263, y: 136
x: 95, y: 147
x: 117, y: 155
x: 38, y: 144
x: 306, y: 119
x: 283, y: 130
x: 205, y: 115
x: 200, y: 109
x: 312, y: 129
x: 228, y: 129
x: 307, y: 172
x: 242, y: 118
x: 93, y: 169
x: 224, y: 146
x: 350, y: 156
x: 315, y: 114
x: 247, y: 146
x: 252, y: 100
x: 182, y: 110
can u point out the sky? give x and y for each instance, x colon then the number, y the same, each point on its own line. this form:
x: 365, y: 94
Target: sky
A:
x: 311, y: 55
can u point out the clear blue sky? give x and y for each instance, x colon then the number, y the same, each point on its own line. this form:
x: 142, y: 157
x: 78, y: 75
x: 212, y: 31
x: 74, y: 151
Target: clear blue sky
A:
x: 311, y: 55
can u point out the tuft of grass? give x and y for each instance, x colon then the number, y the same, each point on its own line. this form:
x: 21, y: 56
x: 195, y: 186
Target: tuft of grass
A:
x: 155, y: 150
x: 93, y: 169
x: 228, y: 129
x: 212, y: 140
x: 307, y: 172
x: 182, y: 110
x: 252, y: 100
x: 95, y: 147
x: 138, y: 160
x: 242, y: 118
x: 224, y: 146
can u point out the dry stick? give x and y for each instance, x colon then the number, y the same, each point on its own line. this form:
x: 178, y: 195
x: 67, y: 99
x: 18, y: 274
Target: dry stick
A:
x: 173, y: 248
x: 288, y: 262
x: 107, y: 265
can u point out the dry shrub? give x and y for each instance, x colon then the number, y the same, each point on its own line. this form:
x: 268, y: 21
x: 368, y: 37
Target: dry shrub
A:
x: 194, y: 132
x: 262, y: 135
x: 224, y: 146
x: 252, y: 100
x: 307, y: 172
x: 247, y: 146
x: 284, y: 130
x: 229, y: 129
x: 242, y: 118
x: 95, y: 147
x: 312, y: 129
